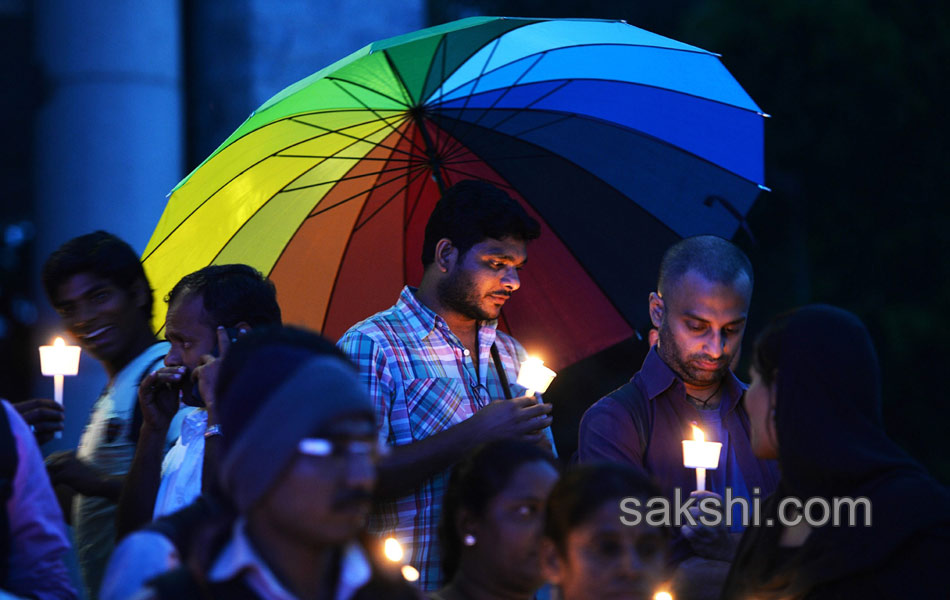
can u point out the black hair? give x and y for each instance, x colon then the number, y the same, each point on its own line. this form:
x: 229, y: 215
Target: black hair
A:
x: 231, y: 294
x: 471, y: 211
x: 712, y: 257
x: 768, y: 348
x: 276, y: 352
x: 766, y: 355
x: 473, y: 483
x: 102, y: 254
x: 584, y: 489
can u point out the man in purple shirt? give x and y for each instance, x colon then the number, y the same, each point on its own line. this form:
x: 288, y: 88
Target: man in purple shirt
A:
x: 700, y: 310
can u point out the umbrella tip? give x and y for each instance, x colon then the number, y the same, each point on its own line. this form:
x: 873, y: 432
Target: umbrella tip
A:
x: 764, y: 188
x: 765, y: 115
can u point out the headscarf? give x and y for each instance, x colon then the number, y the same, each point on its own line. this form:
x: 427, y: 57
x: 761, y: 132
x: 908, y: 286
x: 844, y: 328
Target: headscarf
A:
x: 831, y: 443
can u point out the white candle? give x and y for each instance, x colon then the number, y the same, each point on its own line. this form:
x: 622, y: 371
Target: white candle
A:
x: 534, y: 376
x: 56, y: 361
x: 700, y: 455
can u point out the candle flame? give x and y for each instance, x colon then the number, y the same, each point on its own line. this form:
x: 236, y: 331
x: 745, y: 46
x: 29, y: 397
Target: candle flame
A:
x: 59, y: 342
x: 533, y: 360
x: 662, y: 596
x: 409, y: 573
x: 392, y: 549
x: 698, y: 434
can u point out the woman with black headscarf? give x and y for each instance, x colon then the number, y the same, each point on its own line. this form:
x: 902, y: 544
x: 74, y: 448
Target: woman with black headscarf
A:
x: 815, y: 404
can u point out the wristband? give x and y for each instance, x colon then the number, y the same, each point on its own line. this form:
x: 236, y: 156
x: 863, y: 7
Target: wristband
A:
x: 213, y: 431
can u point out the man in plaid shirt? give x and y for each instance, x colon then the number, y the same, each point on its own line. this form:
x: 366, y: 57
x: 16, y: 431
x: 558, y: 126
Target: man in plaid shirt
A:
x: 428, y: 364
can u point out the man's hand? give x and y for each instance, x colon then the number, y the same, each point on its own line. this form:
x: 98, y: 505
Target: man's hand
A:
x: 523, y: 417
x: 44, y: 416
x: 712, y: 542
x: 205, y: 375
x: 159, y: 395
x: 64, y: 468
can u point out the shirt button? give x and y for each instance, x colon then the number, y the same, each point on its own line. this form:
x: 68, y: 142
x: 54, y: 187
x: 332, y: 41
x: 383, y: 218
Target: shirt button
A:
x: 466, y: 352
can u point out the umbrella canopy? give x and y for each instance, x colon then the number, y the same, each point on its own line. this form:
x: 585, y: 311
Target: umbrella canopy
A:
x: 617, y: 140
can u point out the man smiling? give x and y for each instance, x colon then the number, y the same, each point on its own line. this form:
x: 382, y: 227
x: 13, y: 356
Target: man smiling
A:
x: 97, y: 285
x: 438, y: 370
x: 700, y: 310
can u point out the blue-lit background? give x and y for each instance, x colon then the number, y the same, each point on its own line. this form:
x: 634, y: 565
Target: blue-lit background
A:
x: 107, y: 104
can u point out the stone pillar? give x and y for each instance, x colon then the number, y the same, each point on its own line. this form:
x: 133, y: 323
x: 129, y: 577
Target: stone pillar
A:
x: 108, y: 138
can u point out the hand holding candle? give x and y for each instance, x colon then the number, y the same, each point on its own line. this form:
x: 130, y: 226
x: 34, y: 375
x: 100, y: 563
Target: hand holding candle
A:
x: 534, y: 376
x: 700, y: 455
x: 56, y: 361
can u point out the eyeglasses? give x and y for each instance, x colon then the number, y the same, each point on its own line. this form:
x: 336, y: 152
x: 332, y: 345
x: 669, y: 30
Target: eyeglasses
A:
x: 342, y: 448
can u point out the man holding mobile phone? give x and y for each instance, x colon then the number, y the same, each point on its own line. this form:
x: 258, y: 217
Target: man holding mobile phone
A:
x: 207, y: 311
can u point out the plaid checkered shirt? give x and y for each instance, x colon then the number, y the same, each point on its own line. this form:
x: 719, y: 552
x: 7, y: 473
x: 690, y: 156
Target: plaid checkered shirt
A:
x: 422, y: 380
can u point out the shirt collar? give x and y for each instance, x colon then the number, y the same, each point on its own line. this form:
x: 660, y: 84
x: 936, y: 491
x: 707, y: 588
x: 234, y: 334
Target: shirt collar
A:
x: 658, y: 377
x: 130, y: 372
x: 423, y: 320
x: 240, y: 559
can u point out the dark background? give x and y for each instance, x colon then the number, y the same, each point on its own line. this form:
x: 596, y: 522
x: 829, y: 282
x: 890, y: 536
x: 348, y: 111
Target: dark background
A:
x: 856, y: 154
x: 857, y: 159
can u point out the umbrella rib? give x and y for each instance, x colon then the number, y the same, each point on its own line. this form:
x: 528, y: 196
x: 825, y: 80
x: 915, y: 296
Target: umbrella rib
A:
x: 402, y: 135
x: 304, y: 220
x: 336, y: 80
x: 528, y: 106
x: 504, y: 93
x: 442, y: 105
x: 543, y: 125
x: 359, y: 139
x: 336, y: 277
x: 476, y: 82
x: 482, y: 73
x: 390, y: 199
x: 326, y: 156
x: 639, y: 133
x: 548, y: 50
x: 358, y: 194
x: 350, y: 178
x: 415, y: 204
x: 472, y: 125
x: 275, y: 154
x: 570, y: 251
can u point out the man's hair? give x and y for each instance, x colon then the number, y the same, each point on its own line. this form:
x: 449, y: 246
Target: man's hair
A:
x: 231, y: 294
x: 471, y: 211
x: 584, y: 489
x: 474, y: 481
x: 714, y: 258
x: 101, y: 254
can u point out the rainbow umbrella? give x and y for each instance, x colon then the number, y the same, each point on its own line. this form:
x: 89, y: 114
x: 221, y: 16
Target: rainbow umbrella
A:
x: 617, y: 140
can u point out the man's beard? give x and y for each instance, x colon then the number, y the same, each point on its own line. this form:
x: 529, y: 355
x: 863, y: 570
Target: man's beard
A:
x: 672, y: 355
x: 457, y: 292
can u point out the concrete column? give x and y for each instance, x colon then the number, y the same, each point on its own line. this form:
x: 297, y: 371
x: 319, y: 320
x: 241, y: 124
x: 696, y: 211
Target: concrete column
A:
x: 108, y: 144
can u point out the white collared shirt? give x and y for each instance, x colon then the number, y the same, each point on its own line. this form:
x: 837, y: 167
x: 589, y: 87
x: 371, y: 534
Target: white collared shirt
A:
x: 240, y: 559
x: 182, y: 466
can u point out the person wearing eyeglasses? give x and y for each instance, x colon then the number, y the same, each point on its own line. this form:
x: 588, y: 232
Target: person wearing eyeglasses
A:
x: 296, y: 474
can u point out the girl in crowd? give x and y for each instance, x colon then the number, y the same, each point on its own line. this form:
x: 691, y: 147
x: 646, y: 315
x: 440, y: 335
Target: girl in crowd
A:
x: 587, y: 551
x: 815, y: 405
x: 492, y: 519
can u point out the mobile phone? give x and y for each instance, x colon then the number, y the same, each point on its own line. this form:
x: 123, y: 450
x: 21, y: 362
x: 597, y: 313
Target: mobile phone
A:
x: 196, y: 399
